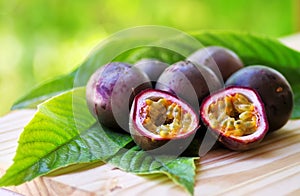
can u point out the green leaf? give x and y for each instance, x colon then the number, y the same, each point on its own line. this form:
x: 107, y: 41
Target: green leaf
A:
x: 61, y: 133
x: 296, y: 111
x: 162, y: 54
x: 45, y: 91
x: 179, y: 169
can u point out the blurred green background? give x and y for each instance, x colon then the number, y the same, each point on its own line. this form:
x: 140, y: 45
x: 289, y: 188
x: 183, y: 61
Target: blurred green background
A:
x: 43, y: 39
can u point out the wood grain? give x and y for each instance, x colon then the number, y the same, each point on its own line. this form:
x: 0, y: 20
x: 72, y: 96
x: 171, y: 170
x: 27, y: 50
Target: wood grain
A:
x: 274, y: 167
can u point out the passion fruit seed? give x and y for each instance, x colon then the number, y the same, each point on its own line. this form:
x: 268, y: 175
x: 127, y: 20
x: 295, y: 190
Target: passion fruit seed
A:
x: 165, y: 118
x: 234, y: 115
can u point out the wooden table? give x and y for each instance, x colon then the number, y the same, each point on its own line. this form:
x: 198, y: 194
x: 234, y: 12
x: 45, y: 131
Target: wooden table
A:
x: 273, y: 168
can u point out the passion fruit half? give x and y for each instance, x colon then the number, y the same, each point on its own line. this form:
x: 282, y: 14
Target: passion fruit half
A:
x: 236, y: 116
x: 161, y: 123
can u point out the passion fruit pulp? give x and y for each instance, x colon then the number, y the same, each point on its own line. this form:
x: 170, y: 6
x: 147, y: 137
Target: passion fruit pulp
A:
x: 161, y: 123
x: 273, y: 88
x: 236, y: 116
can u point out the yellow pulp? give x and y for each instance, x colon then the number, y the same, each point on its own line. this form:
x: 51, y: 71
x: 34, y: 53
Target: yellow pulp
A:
x: 234, y: 115
x: 166, y: 118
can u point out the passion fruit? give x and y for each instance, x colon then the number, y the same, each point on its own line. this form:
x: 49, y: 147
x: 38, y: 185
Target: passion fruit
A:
x: 110, y: 92
x: 222, y: 61
x: 236, y: 116
x: 188, y: 81
x: 273, y: 88
x: 161, y: 123
x: 152, y: 67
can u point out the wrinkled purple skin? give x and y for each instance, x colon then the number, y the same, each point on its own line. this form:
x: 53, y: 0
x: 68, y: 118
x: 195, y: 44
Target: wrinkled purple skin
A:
x: 152, y: 67
x: 222, y: 61
x: 274, y: 89
x: 110, y: 92
x: 190, y: 82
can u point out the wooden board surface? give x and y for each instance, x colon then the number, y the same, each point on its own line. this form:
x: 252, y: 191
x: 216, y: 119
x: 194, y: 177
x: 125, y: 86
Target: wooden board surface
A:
x: 273, y: 168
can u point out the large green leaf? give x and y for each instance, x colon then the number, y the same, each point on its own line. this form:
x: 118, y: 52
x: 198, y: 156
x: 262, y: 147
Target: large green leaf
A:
x: 181, y: 170
x: 61, y: 133
x: 253, y: 49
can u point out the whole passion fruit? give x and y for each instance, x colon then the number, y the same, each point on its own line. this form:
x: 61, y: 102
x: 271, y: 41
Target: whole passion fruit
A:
x: 161, y: 123
x: 236, y: 116
x: 222, y: 61
x: 110, y: 92
x: 273, y: 88
x: 152, y: 67
x: 189, y: 82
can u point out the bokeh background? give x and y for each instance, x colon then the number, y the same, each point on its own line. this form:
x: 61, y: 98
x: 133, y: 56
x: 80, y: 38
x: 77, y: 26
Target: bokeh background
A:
x: 43, y: 39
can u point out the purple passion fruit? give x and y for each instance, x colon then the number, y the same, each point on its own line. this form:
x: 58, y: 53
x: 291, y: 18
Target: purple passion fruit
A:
x: 152, y: 67
x: 189, y: 82
x: 222, y: 61
x: 273, y: 88
x: 162, y: 123
x: 235, y: 115
x: 110, y: 92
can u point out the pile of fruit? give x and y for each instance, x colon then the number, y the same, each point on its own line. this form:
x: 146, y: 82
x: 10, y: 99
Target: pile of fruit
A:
x: 164, y: 106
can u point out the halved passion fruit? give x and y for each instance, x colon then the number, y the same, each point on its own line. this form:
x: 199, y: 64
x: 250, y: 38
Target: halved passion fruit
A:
x: 162, y: 123
x: 236, y: 115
